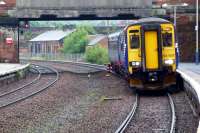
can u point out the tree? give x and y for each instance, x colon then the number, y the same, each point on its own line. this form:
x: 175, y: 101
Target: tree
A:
x: 97, y: 55
x: 77, y: 41
x: 90, y: 30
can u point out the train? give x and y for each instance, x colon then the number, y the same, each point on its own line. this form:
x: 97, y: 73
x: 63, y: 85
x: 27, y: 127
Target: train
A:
x: 144, y: 52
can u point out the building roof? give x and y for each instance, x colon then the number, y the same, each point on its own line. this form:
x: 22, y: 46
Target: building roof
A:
x: 97, y: 39
x: 51, y: 36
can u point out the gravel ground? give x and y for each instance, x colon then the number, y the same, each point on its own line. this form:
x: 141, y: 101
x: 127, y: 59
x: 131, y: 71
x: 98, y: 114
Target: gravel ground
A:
x: 186, y: 121
x: 152, y: 116
x: 74, y: 104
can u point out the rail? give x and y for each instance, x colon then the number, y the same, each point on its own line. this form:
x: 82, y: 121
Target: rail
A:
x: 32, y: 93
x: 125, y: 123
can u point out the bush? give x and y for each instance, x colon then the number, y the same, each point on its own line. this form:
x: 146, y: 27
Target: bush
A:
x: 97, y: 55
x: 76, y: 42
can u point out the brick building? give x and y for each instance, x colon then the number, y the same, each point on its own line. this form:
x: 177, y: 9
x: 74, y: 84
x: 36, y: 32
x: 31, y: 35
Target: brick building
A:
x: 186, y: 21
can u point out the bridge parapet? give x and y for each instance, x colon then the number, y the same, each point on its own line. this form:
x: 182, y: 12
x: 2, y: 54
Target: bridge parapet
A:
x: 77, y: 8
x: 82, y: 4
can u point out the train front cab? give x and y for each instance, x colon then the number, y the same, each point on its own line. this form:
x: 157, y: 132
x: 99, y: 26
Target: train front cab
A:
x: 151, y: 56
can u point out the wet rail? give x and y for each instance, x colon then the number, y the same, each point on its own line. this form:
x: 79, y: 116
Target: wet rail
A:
x: 37, y: 85
x: 125, y: 124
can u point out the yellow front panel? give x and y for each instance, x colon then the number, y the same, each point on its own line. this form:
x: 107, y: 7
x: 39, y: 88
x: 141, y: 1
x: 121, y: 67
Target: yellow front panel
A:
x: 133, y: 54
x: 169, y: 52
x: 151, y: 49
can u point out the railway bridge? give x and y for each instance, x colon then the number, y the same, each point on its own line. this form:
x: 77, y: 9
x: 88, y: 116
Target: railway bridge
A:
x: 86, y: 9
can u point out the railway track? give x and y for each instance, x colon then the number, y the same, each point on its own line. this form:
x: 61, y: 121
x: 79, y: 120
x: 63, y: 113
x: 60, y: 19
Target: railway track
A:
x: 75, y: 67
x: 130, y: 117
x: 133, y: 120
x: 37, y: 85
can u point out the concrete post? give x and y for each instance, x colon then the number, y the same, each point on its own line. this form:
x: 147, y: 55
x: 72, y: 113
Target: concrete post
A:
x: 197, y: 32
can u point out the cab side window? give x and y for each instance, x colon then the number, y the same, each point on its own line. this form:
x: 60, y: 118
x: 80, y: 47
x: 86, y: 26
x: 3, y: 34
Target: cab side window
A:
x: 134, y: 41
x: 167, y: 39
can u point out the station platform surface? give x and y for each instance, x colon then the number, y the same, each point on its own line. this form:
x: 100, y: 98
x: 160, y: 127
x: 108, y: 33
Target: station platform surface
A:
x: 191, y: 73
x: 7, y: 68
x: 191, y: 69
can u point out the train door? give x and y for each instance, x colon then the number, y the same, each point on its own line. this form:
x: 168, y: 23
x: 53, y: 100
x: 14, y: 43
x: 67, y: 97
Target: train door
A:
x: 151, y: 50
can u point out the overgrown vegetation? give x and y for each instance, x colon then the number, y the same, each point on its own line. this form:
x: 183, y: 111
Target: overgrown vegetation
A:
x: 77, y: 41
x: 97, y: 55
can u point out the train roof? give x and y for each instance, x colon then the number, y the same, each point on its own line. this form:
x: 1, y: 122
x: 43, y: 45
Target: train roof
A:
x: 150, y: 20
x: 140, y: 21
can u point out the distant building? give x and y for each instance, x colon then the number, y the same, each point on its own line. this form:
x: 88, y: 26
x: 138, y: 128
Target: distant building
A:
x: 32, y: 33
x: 100, y: 40
x: 48, y: 42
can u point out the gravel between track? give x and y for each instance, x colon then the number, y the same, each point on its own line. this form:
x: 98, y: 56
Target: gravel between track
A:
x: 186, y: 121
x: 153, y: 115
x: 74, y: 104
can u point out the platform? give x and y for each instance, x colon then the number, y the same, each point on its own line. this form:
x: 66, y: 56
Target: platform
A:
x: 7, y: 68
x: 190, y: 73
x: 191, y: 69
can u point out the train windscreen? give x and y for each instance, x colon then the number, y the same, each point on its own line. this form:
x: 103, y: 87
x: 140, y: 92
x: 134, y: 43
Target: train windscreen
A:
x: 134, y: 41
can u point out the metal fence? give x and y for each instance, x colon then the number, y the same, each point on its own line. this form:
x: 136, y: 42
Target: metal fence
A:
x: 57, y: 56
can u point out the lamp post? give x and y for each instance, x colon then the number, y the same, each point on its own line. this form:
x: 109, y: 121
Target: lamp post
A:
x: 2, y: 2
x: 197, y: 32
x: 165, y: 5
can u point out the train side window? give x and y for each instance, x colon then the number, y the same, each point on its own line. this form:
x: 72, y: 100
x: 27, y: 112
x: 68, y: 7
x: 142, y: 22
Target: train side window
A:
x: 134, y: 41
x: 167, y: 39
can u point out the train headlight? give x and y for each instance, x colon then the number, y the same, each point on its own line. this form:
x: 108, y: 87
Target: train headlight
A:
x: 135, y: 63
x: 169, y: 62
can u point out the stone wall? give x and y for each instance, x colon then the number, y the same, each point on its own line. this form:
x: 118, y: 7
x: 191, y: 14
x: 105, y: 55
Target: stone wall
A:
x: 187, y: 37
x: 190, y: 2
x: 9, y: 5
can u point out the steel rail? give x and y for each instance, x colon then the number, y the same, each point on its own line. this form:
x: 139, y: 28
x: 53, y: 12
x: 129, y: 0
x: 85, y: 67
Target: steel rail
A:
x: 129, y: 117
x: 96, y: 66
x: 33, y: 81
x: 34, y: 93
x: 173, y: 122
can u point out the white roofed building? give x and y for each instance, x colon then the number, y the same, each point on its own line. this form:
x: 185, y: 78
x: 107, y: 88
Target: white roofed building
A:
x: 48, y: 42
